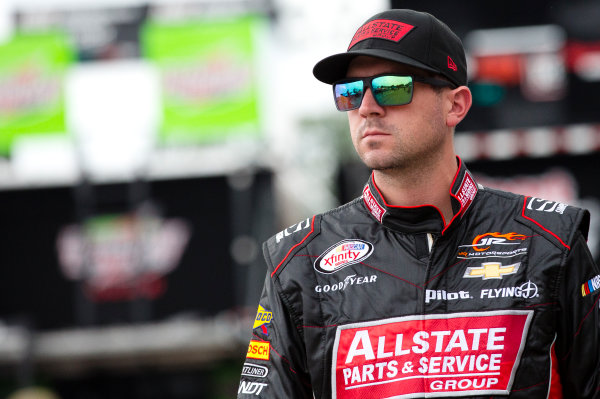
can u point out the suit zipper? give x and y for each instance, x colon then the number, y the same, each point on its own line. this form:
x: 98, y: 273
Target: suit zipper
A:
x: 431, y: 239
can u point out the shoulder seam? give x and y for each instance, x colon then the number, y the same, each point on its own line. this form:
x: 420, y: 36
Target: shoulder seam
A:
x: 342, y: 207
x: 500, y: 193
x: 312, y: 229
x: 540, y: 225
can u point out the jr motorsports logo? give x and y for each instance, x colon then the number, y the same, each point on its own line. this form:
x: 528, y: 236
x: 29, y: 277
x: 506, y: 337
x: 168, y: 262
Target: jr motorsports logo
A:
x: 481, y: 247
x: 459, y: 354
x: 342, y: 254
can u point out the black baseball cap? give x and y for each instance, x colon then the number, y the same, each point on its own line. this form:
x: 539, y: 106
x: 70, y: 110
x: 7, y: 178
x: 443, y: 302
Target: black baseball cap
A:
x: 405, y: 36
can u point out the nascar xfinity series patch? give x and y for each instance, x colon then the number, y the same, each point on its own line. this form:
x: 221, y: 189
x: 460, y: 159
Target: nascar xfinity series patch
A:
x: 432, y: 355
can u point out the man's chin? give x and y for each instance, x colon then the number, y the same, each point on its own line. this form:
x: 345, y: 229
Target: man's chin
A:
x: 377, y: 160
x: 382, y: 166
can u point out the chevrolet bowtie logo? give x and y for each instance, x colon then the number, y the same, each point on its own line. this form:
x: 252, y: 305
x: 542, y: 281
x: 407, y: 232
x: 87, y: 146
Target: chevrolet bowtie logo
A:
x: 490, y: 270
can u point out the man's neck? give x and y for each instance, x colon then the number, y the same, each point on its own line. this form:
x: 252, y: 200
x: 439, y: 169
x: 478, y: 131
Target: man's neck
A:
x: 419, y: 186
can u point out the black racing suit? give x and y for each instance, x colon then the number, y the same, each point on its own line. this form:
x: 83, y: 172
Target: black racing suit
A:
x: 373, y: 300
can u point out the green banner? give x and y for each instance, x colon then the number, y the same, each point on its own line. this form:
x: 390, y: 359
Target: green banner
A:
x: 32, y: 70
x: 208, y: 78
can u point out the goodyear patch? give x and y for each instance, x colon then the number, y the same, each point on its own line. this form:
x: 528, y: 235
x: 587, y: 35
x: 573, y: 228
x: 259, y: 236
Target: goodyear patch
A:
x: 590, y: 286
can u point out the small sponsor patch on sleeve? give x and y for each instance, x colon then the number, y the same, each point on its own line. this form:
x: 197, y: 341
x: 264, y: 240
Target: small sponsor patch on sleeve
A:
x: 254, y: 370
x: 459, y: 354
x: 259, y: 350
x: 590, y: 286
x: 263, y: 319
x: 263, y: 316
x: 251, y: 387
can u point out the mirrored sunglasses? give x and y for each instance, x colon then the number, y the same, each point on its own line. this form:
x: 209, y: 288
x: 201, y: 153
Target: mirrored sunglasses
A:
x: 386, y: 89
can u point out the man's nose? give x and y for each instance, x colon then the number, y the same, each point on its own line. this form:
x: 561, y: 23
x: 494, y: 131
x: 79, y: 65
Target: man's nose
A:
x: 369, y: 106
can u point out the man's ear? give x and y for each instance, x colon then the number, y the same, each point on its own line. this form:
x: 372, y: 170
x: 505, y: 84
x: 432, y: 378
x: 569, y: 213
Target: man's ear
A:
x: 460, y: 103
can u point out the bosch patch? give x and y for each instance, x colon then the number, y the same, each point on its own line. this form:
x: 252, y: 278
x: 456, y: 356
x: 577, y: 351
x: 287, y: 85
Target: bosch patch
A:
x: 258, y: 350
x: 474, y: 353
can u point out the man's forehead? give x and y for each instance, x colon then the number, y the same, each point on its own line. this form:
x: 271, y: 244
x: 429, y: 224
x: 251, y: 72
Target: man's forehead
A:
x: 366, y: 66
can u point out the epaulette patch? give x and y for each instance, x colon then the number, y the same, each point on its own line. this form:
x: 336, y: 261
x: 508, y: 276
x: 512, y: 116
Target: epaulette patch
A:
x: 283, y: 245
x: 555, y: 220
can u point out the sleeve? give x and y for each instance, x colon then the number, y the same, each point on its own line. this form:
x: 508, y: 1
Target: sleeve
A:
x: 275, y: 365
x: 578, y: 335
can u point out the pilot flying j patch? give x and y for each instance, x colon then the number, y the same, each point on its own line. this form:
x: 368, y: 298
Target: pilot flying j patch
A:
x: 458, y: 354
x: 590, y: 286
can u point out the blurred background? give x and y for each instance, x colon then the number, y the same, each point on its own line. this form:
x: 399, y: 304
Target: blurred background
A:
x: 147, y: 148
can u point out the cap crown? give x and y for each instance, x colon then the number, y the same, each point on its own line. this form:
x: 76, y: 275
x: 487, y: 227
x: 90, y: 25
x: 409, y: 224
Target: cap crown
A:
x: 405, y: 36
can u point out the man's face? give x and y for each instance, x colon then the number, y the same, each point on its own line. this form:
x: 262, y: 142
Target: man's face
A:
x: 396, y: 137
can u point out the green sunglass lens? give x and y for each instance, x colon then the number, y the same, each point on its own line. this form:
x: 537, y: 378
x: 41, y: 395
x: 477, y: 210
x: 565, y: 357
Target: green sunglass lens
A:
x: 392, y: 90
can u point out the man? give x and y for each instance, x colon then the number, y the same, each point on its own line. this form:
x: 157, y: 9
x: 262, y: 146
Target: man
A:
x: 428, y: 285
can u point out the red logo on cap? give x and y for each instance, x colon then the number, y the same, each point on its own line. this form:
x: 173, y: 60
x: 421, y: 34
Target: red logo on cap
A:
x: 381, y: 29
x: 451, y: 64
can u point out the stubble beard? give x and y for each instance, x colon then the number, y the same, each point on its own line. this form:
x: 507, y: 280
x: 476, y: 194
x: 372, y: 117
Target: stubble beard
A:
x: 406, y: 155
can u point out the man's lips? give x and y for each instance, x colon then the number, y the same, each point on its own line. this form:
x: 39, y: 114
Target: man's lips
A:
x: 372, y: 133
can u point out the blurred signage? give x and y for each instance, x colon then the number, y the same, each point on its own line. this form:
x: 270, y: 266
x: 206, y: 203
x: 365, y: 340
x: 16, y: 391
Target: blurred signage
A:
x: 584, y: 59
x: 205, y: 57
x: 208, y: 79
x: 32, y: 70
x: 122, y: 257
x: 529, y: 57
x: 171, y: 257
x: 97, y: 33
x: 556, y: 184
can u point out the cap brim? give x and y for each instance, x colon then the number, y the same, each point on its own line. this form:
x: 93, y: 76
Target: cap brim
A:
x: 334, y: 67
